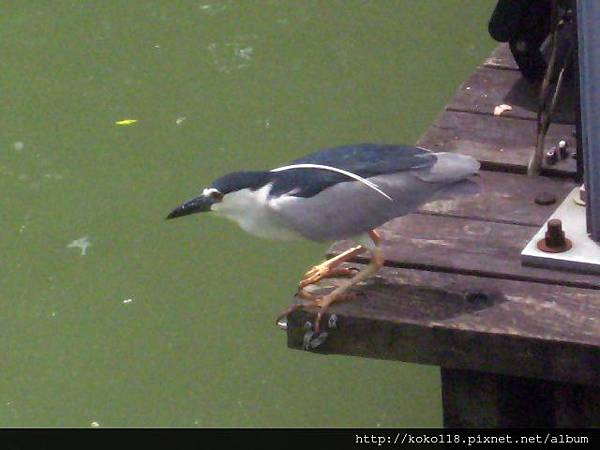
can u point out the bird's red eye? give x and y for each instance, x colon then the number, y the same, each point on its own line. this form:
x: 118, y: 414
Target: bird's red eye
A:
x: 216, y: 196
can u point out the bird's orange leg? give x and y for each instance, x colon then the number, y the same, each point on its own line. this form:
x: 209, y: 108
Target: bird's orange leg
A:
x: 375, y: 237
x: 328, y: 269
x: 339, y: 293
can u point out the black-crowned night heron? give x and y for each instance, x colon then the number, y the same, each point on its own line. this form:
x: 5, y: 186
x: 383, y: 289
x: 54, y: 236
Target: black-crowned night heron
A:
x: 338, y: 193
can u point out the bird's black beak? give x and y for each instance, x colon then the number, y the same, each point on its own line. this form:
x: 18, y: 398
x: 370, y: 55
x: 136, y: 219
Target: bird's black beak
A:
x: 195, y: 205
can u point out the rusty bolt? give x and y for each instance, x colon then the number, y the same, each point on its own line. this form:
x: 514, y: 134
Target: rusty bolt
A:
x: 555, y: 240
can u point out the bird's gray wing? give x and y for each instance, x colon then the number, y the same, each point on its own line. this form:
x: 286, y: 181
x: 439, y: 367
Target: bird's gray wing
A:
x: 346, y: 210
x: 363, y: 160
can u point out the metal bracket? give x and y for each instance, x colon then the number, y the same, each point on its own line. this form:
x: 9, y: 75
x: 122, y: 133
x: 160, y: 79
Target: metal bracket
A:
x: 583, y: 256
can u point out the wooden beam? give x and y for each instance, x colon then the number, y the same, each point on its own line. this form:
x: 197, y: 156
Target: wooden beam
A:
x: 514, y: 328
x: 499, y: 143
x: 489, y: 87
x: 506, y: 198
x: 465, y: 246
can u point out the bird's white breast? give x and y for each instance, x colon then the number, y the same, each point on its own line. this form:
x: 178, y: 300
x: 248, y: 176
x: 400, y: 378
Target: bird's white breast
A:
x: 251, y: 211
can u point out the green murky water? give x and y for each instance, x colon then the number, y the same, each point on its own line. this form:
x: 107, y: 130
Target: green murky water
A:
x: 110, y: 316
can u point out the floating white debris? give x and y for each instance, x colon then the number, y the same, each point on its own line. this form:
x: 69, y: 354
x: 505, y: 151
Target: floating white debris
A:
x: 213, y: 9
x: 94, y: 424
x: 498, y: 110
x: 18, y: 146
x: 180, y: 120
x: 128, y: 300
x: 53, y: 176
x: 233, y: 55
x: 82, y: 244
x: 245, y: 53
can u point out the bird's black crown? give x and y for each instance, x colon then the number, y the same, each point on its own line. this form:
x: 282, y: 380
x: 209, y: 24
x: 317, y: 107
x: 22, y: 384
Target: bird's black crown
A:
x: 241, y: 180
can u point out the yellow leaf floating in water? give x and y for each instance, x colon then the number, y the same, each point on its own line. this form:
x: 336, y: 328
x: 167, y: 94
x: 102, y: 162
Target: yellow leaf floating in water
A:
x: 126, y: 122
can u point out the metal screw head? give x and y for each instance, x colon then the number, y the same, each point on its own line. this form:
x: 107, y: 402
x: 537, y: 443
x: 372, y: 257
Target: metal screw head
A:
x: 563, y: 149
x: 545, y: 198
x: 555, y: 240
x: 552, y: 156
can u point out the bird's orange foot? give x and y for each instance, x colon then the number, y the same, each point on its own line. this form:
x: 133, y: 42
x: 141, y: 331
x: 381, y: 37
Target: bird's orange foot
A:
x: 317, y: 273
x: 313, y: 337
x: 324, y: 302
x: 281, y: 320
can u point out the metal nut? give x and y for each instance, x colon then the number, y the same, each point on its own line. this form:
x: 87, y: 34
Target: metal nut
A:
x: 555, y: 240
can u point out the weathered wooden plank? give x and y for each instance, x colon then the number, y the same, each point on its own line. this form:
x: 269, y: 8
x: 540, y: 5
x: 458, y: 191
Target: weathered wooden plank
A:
x: 498, y: 142
x: 465, y: 322
x: 487, y: 88
x: 505, y: 197
x: 501, y: 58
x: 466, y: 246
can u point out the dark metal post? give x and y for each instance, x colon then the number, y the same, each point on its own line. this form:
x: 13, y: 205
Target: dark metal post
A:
x: 588, y: 31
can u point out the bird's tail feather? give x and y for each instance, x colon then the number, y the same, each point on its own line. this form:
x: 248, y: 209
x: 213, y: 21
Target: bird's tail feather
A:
x: 450, y: 167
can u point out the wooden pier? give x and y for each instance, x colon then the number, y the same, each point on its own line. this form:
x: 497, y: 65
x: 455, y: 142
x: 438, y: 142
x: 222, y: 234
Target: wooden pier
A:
x: 517, y: 345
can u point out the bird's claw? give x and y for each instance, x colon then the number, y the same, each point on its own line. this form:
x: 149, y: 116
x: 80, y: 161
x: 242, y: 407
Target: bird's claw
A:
x: 323, y: 304
x: 317, y: 273
x: 305, y: 295
x: 313, y: 336
x: 281, y: 319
